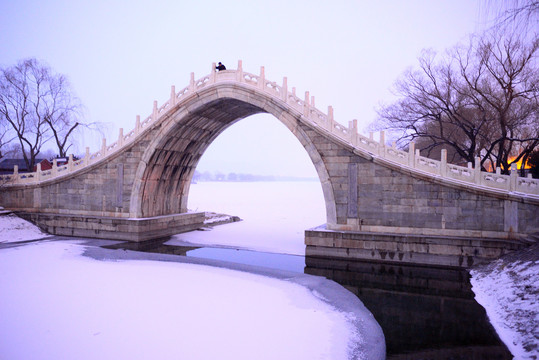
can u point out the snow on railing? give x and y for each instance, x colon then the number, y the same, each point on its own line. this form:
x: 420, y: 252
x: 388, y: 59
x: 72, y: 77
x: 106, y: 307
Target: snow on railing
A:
x: 311, y: 115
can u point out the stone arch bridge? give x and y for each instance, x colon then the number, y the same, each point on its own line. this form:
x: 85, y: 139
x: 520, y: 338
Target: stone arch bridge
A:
x: 381, y: 203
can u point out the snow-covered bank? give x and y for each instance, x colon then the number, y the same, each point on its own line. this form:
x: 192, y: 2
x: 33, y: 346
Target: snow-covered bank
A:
x: 14, y: 229
x: 508, y: 289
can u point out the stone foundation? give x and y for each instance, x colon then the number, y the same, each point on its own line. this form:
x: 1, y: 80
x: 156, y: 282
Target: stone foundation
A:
x: 130, y: 229
x: 407, y: 249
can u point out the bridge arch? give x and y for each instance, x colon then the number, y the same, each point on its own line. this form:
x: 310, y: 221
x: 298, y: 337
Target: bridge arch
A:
x: 163, y: 176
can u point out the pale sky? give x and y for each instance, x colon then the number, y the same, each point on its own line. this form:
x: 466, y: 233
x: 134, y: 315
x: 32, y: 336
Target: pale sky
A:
x: 120, y: 56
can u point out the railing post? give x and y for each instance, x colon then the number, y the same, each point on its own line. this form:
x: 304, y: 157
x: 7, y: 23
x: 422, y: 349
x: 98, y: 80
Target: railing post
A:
x: 154, y: 111
x: 312, y: 102
x: 70, y: 163
x: 239, y: 72
x: 121, y: 137
x: 382, y: 145
x: 262, y: 78
x: 443, y: 163
x: 172, y: 95
x: 352, y: 127
x: 15, y: 170
x: 38, y: 172
x: 137, y: 125
x: 411, y: 155
x: 477, y: 171
x: 513, y: 177
x: 87, y: 156
x: 285, y: 89
x: 104, y: 147
x: 306, y: 109
x: 330, y: 118
x: 213, y: 73
x: 192, y: 82
x: 54, y: 167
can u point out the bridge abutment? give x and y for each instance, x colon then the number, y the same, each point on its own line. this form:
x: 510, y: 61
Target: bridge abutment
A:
x: 114, y: 228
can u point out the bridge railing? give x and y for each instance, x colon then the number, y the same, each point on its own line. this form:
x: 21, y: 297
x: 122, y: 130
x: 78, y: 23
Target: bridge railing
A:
x: 311, y: 115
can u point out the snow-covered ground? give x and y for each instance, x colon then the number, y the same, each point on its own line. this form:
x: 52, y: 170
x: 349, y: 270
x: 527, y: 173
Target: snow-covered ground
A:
x: 13, y: 229
x: 508, y: 289
x: 56, y: 303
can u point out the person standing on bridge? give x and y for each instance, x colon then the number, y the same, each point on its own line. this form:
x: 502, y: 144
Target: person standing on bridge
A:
x: 220, y: 66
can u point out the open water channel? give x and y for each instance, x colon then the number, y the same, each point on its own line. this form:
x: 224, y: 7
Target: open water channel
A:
x: 425, y: 312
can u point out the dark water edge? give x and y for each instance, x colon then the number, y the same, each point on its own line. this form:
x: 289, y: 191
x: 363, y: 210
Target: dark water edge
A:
x: 425, y: 312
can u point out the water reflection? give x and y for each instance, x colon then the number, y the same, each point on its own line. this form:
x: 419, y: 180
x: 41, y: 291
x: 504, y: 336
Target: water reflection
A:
x: 426, y: 313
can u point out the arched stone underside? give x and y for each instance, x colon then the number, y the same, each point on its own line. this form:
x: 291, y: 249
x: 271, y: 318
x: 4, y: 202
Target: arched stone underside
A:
x: 163, y: 177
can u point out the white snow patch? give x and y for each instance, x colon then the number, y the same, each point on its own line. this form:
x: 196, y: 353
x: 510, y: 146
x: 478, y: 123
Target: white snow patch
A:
x: 509, y: 294
x: 14, y: 229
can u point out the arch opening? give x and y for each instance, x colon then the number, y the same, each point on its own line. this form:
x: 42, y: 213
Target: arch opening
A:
x: 163, y: 178
x: 276, y: 192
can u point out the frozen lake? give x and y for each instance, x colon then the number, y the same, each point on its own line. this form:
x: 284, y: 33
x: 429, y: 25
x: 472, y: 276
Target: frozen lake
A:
x: 423, y: 311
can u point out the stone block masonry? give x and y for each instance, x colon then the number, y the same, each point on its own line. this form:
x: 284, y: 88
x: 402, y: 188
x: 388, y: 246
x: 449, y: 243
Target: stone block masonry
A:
x: 113, y: 228
x: 410, y: 249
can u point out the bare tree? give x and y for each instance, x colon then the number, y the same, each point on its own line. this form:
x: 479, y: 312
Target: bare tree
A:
x: 38, y: 106
x: 477, y: 100
x: 515, y: 13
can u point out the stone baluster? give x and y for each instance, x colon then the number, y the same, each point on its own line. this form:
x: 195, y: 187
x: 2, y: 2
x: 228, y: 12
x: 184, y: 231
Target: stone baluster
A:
x: 352, y: 127
x: 477, y: 171
x: 285, y: 89
x: 330, y: 118
x: 294, y: 90
x: 192, y: 82
x: 38, y: 172
x: 87, y: 156
x: 498, y: 170
x: 306, y: 109
x: 70, y: 163
x: 54, y: 167
x: 262, y: 78
x: 513, y: 175
x: 103, y: 147
x: 411, y: 155
x: 137, y: 125
x: 15, y: 170
x: 239, y: 72
x: 312, y: 101
x: 121, y: 137
x: 371, y: 135
x: 154, y: 112
x: 382, y: 146
x: 172, y: 95
x: 213, y: 73
x: 443, y: 163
